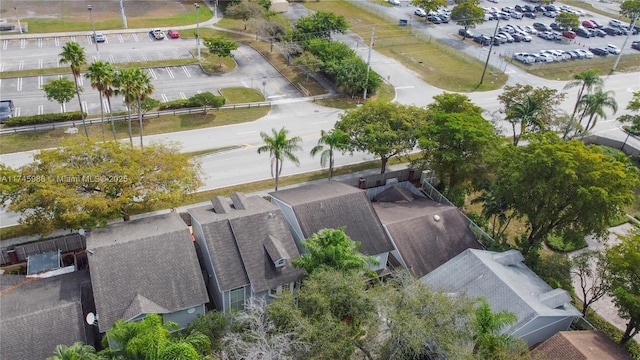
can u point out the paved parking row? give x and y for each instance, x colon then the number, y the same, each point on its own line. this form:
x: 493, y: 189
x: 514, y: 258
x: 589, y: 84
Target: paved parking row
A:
x: 59, y: 41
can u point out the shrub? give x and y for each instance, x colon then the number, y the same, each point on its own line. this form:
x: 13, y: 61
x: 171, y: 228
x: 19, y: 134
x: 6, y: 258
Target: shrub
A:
x: 43, y: 119
x: 174, y: 104
x: 567, y: 242
x: 197, y: 100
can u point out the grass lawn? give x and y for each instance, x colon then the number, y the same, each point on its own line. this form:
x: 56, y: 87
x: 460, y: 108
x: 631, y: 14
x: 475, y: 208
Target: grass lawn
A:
x: 567, y: 69
x: 241, y: 95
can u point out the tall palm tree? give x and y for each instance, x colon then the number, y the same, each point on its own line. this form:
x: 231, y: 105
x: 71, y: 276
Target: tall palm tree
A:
x: 336, y: 139
x: 102, y: 75
x: 135, y: 85
x: 528, y: 112
x: 73, y: 54
x: 594, y: 105
x: 280, y: 147
x: 77, y: 351
x: 587, y: 80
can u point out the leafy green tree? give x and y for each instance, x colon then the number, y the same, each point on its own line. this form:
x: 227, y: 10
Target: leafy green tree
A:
x: 350, y: 76
x: 467, y: 13
x: 429, y: 5
x: 329, y: 51
x: 334, y: 249
x: 329, y: 142
x: 589, y: 268
x: 244, y: 10
x: 74, y: 55
x: 594, y: 105
x: 207, y: 99
x: 333, y: 314
x: 213, y: 324
x: 382, y: 129
x: 489, y: 340
x: 633, y: 119
x: 220, y: 47
x: 631, y: 9
x: 622, y: 264
x: 280, y: 146
x: 309, y: 61
x: 456, y: 146
x: 587, y: 80
x: 9, y: 182
x: 568, y: 21
x: 102, y: 74
x: 320, y: 24
x: 419, y: 323
x: 449, y: 103
x: 60, y: 90
x: 87, y: 184
x: 528, y: 113
x: 554, y: 185
x: 151, y: 339
x: 548, y: 100
x: 77, y: 351
x: 135, y: 86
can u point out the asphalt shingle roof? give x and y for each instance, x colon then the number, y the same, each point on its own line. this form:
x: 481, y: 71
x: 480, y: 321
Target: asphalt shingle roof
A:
x: 40, y: 314
x: 579, y: 345
x: 144, y: 265
x: 332, y: 205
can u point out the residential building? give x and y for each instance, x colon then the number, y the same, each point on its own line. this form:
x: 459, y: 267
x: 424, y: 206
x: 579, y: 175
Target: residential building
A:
x: 580, y: 345
x: 144, y: 266
x: 507, y: 284
x: 246, y: 248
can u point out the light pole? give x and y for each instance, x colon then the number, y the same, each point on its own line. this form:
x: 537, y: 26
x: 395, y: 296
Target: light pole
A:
x: 197, y: 29
x: 495, y: 31
x: 18, y: 18
x: 122, y: 15
x: 89, y: 7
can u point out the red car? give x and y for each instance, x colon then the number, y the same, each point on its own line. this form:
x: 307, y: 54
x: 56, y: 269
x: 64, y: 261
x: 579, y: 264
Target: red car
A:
x: 569, y: 34
x: 589, y: 25
x: 173, y: 33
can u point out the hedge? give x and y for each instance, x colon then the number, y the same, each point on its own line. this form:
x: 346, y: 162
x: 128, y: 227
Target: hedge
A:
x: 197, y: 100
x: 43, y: 119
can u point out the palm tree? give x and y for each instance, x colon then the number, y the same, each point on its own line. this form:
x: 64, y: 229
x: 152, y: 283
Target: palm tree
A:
x: 528, y: 112
x: 102, y: 75
x: 77, y: 351
x: 334, y: 140
x: 490, y: 342
x: 135, y: 85
x: 587, y: 80
x: 279, y: 147
x: 73, y: 54
x: 594, y: 105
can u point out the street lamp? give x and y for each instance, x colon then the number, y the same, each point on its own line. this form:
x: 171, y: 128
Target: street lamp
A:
x: 197, y: 28
x: 122, y: 14
x: 18, y: 18
x: 89, y: 7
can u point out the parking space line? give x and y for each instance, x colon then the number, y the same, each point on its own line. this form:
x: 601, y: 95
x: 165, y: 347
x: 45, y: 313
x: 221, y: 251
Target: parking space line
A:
x: 186, y: 71
x: 40, y: 81
x: 105, y: 105
x: 21, y: 65
x: 84, y: 106
x: 128, y: 57
x: 17, y: 111
x: 90, y: 39
x: 120, y: 38
x: 40, y: 109
x: 182, y: 95
x: 111, y: 59
x: 39, y: 42
x: 95, y: 57
x: 56, y: 40
x: 144, y: 56
x: 19, y: 86
x: 153, y: 73
x: 23, y: 43
x: 106, y: 39
x: 72, y: 37
x: 5, y: 44
x: 170, y: 72
x: 161, y: 56
x: 81, y: 80
x: 39, y: 63
x: 135, y: 37
x: 164, y: 98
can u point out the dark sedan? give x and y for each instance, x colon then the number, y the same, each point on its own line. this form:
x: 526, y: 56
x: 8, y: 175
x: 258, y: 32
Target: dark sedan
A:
x: 599, y: 51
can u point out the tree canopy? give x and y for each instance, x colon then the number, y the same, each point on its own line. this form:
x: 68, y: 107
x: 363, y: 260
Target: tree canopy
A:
x: 87, y: 184
x: 60, y: 90
x: 244, y: 10
x: 382, y: 129
x: 631, y: 9
x: 220, y: 47
x: 467, y: 13
x: 429, y: 5
x: 280, y: 146
x: 320, y: 24
x: 568, y: 21
x: 555, y: 185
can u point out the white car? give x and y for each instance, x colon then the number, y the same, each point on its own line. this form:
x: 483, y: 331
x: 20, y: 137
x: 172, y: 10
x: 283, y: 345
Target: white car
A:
x: 420, y: 12
x: 585, y: 53
x: 394, y: 2
x: 612, y: 49
x: 530, y: 30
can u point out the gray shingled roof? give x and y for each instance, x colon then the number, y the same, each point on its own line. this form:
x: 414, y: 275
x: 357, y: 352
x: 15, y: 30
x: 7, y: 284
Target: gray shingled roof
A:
x: 145, y: 265
x: 40, y: 314
x: 514, y: 287
x: 423, y: 243
x: 237, y: 242
x: 333, y: 205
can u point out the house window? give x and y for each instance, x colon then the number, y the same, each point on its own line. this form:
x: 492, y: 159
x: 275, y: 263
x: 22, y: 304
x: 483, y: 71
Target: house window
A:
x: 280, y: 263
x: 280, y: 289
x: 236, y: 297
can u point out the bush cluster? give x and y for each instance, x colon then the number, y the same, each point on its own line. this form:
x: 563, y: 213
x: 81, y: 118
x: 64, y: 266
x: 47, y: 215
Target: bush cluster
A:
x: 43, y: 119
x: 197, y: 100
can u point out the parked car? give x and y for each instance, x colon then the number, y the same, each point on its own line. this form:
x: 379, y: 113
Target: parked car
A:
x: 99, y: 37
x: 585, y: 53
x: 569, y: 34
x: 420, y: 12
x: 612, y: 49
x: 582, y: 32
x: 6, y: 110
x: 444, y: 18
x: 635, y: 45
x: 394, y: 2
x: 508, y: 36
x: 530, y: 15
x: 550, y: 14
x: 530, y: 30
x: 589, y: 25
x: 173, y: 33
x: 516, y: 15
x: 611, y: 31
x: 599, y: 51
x: 541, y: 27
x: 434, y: 19
x: 556, y: 27
x: 466, y: 33
x: 599, y: 32
x: 616, y: 23
x: 482, y: 40
x: 156, y: 34
x: 597, y: 24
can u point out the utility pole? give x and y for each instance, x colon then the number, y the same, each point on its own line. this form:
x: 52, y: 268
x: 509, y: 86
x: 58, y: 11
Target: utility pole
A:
x: 615, y: 65
x: 93, y: 27
x: 490, y: 48
x: 18, y: 18
x: 122, y: 15
x: 197, y: 29
x: 366, y: 83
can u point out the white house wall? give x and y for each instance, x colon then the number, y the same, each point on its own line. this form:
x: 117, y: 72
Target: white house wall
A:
x: 541, y: 328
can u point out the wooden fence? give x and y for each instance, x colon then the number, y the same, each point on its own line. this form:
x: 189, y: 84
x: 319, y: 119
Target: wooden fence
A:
x: 21, y: 252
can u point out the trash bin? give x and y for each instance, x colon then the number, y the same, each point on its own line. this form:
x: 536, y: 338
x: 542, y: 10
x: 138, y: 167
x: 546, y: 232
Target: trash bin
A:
x: 403, y: 22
